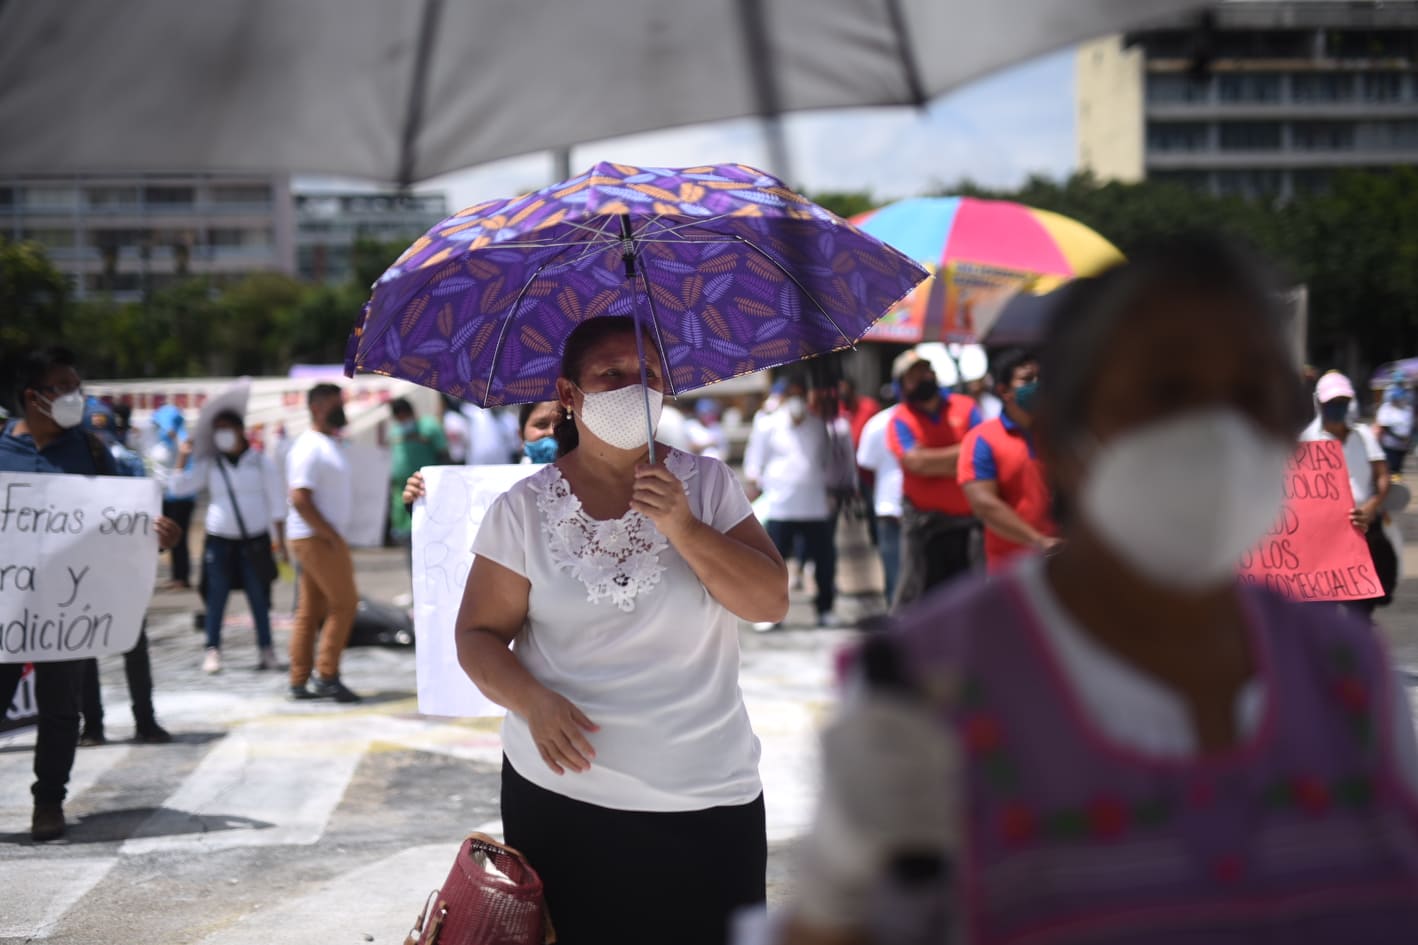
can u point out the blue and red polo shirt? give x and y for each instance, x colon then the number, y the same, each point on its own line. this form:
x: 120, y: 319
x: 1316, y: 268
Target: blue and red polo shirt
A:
x: 946, y: 427
x: 1001, y: 451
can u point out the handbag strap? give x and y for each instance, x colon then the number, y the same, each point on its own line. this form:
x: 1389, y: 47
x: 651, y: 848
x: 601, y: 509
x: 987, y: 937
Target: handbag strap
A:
x: 235, y: 506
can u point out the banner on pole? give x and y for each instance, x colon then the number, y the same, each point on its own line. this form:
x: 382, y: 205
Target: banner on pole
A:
x: 446, y: 521
x: 78, y: 556
x: 1314, y: 553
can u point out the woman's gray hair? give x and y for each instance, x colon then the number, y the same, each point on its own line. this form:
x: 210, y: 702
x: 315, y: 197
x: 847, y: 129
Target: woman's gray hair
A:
x: 1092, y: 309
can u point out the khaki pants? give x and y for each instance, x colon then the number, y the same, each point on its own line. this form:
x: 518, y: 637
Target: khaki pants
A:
x: 327, y: 606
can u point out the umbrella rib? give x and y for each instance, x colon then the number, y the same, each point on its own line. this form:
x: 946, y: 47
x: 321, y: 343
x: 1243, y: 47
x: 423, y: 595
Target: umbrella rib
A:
x: 655, y: 323
x: 506, y: 323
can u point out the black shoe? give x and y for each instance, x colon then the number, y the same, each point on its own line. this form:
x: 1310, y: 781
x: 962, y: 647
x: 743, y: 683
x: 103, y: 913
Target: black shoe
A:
x: 48, y: 821
x: 301, y: 693
x: 331, y: 689
x: 152, y: 734
x: 92, y: 738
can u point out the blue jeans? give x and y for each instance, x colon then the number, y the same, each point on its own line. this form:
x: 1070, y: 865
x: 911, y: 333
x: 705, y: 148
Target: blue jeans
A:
x: 818, y: 547
x: 888, y: 545
x: 222, y: 559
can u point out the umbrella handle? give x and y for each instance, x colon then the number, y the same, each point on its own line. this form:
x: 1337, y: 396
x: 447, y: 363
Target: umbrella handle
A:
x: 628, y: 254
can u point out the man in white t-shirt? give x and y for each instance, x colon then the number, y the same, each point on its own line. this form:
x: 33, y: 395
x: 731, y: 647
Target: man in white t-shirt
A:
x: 321, y: 505
x: 875, y: 454
x: 1368, y: 474
x: 788, y: 460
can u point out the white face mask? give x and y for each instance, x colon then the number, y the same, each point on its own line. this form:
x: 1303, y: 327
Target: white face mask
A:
x: 797, y: 407
x: 1182, y: 500
x: 617, y: 417
x: 226, y: 441
x: 67, y: 410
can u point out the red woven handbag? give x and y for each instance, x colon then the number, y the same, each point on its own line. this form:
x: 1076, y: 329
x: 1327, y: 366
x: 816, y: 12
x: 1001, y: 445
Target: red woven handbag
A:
x: 479, y: 906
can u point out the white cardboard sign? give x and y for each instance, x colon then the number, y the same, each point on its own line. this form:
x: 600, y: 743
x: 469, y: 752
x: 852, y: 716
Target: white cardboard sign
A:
x: 446, y: 521
x: 78, y: 556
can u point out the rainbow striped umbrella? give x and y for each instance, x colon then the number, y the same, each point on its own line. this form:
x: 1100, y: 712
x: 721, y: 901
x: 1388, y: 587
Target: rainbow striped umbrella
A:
x: 979, y: 252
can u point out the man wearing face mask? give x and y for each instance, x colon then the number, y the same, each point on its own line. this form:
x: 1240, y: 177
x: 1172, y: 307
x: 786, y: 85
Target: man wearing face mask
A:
x: 788, y: 460
x: 1368, y: 475
x: 321, y: 486
x: 415, y: 442
x: 1000, y: 470
x: 925, y: 435
x: 48, y: 439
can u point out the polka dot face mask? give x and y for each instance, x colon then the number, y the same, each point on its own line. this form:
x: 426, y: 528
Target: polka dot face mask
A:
x: 617, y: 417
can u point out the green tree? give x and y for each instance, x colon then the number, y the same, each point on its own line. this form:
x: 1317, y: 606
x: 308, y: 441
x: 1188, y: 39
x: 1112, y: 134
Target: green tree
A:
x: 846, y: 204
x: 34, y: 297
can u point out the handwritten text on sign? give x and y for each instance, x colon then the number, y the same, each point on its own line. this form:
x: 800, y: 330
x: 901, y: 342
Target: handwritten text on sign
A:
x: 446, y: 521
x: 1313, y: 553
x: 78, y: 556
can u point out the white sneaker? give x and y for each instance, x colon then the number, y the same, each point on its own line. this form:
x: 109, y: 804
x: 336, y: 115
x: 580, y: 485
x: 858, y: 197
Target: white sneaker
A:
x: 828, y: 620
x: 268, y: 659
x: 213, y: 661
x: 767, y: 626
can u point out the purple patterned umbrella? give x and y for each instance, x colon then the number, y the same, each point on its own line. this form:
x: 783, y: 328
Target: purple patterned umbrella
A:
x: 730, y: 271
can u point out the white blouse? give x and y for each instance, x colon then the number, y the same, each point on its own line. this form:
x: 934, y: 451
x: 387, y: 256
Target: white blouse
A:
x: 256, y: 483
x: 619, y: 624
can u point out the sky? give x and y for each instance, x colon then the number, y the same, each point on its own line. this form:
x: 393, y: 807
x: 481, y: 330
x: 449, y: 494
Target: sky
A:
x: 995, y: 132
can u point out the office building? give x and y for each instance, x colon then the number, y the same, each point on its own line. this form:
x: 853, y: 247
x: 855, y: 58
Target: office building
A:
x: 329, y: 224
x: 1259, y: 99
x: 125, y: 235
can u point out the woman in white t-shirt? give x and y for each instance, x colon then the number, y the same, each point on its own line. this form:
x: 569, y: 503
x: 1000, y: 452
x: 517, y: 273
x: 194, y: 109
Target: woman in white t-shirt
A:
x: 630, y: 776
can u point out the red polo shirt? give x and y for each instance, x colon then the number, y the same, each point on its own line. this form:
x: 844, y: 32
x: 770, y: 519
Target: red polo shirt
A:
x: 1002, y: 452
x: 910, y: 428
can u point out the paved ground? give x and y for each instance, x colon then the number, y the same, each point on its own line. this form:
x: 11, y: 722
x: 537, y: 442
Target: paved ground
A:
x: 283, y: 824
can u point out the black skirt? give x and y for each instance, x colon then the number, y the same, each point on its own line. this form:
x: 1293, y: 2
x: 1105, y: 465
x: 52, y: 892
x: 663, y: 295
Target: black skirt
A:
x: 627, y: 877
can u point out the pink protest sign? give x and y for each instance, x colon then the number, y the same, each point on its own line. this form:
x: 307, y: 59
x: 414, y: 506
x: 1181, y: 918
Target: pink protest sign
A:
x: 1314, y: 553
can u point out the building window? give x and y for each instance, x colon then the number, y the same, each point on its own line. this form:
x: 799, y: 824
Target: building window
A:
x: 1386, y: 135
x: 1249, y: 88
x: 171, y: 198
x: 242, y: 194
x: 1322, y: 87
x: 1177, y: 136
x: 1322, y: 136
x: 1171, y: 89
x: 1249, y: 183
x: 233, y: 241
x: 1313, y: 181
x: 1381, y: 87
x: 7, y: 197
x: 50, y: 198
x: 50, y: 238
x: 111, y: 198
x: 1250, y: 136
x: 1192, y: 180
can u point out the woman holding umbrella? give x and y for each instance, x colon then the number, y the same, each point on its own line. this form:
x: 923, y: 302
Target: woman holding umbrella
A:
x: 622, y: 583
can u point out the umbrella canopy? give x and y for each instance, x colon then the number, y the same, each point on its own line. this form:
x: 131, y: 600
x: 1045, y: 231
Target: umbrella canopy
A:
x: 1403, y: 372
x: 979, y: 251
x: 406, y: 91
x: 1023, y: 320
x: 729, y: 271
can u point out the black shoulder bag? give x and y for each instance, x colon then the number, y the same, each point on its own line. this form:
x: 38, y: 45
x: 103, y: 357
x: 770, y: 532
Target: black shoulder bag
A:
x: 256, y: 550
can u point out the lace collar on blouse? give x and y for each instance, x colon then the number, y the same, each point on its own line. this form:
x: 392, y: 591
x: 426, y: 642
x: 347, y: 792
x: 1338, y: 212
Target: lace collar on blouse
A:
x: 616, y: 559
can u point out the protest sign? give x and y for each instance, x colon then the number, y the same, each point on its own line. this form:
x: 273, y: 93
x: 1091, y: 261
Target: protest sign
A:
x: 1314, y: 553
x: 24, y: 707
x: 446, y: 521
x: 78, y: 556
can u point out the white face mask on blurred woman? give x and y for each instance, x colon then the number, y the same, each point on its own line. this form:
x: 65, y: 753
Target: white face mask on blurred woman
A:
x: 1181, y: 500
x: 226, y: 441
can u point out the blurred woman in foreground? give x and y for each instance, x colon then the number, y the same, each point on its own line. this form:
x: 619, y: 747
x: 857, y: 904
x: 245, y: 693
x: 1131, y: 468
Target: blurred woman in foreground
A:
x: 1122, y: 742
